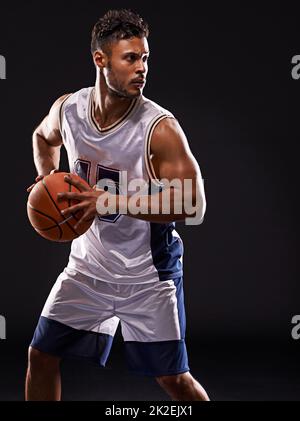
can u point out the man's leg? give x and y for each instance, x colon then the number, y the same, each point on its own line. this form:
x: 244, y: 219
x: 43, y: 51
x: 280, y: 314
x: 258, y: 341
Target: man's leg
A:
x: 183, y: 387
x: 43, y: 377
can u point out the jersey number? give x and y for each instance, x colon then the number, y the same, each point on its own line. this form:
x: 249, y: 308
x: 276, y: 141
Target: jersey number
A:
x: 83, y: 169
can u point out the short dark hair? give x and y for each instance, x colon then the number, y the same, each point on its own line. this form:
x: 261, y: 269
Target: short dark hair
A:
x: 116, y: 25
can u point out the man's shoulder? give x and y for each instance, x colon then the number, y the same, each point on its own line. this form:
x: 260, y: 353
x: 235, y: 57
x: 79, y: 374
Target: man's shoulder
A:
x: 78, y: 100
x: 154, y: 108
x: 82, y: 92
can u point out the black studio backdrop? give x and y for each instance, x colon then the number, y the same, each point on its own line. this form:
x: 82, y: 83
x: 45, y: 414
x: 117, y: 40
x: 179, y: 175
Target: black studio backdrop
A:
x: 225, y: 72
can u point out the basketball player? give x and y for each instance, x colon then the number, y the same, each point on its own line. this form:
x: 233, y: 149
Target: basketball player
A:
x: 125, y: 268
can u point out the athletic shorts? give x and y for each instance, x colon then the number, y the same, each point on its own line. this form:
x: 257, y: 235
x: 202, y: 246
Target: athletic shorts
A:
x: 81, y: 315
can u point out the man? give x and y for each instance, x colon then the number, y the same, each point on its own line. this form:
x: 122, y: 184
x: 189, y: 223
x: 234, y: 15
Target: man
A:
x: 128, y: 265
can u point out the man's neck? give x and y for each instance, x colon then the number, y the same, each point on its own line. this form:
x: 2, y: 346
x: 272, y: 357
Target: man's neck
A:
x: 107, y: 106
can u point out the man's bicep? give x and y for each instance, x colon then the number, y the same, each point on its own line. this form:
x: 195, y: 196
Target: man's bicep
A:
x: 180, y: 167
x: 172, y: 153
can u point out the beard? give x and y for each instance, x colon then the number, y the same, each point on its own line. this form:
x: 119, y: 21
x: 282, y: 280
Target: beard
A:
x: 122, y: 93
x: 116, y: 88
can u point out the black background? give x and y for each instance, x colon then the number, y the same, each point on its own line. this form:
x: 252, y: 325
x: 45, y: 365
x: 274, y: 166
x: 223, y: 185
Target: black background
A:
x: 225, y: 72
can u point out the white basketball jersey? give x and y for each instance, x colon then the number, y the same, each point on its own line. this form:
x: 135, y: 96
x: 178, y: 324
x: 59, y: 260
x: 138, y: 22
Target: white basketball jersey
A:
x: 118, y: 248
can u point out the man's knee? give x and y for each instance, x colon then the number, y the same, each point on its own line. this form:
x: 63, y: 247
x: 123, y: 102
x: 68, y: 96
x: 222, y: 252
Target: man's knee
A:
x: 174, y: 381
x: 41, y: 360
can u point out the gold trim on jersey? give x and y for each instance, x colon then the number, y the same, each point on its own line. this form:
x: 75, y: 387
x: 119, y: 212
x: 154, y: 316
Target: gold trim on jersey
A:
x: 148, y: 162
x: 61, y: 114
x: 113, y: 126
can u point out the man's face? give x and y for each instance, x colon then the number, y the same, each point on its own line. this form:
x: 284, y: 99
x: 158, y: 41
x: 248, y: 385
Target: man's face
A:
x: 127, y: 67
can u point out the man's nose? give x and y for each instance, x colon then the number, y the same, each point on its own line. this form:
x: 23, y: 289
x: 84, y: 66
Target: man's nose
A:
x: 141, y: 67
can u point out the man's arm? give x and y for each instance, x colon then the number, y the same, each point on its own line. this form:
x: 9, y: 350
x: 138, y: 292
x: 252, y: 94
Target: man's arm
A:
x: 172, y: 160
x: 47, y: 140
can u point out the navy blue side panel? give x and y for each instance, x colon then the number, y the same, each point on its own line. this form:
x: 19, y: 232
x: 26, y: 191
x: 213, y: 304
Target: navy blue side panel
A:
x: 166, y: 251
x: 61, y: 340
x: 157, y: 358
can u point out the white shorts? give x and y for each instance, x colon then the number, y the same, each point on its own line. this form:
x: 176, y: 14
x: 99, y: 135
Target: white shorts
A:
x: 81, y: 315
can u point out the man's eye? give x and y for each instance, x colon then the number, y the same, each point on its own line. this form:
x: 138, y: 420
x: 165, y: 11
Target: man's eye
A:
x: 130, y: 58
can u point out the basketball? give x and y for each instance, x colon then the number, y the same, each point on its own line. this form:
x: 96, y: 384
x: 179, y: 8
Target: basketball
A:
x: 44, y: 210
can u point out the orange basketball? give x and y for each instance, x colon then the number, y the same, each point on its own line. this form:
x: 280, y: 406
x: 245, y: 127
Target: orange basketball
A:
x: 44, y: 210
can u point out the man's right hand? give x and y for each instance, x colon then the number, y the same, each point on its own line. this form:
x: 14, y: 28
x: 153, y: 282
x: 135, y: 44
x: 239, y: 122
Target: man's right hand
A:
x: 39, y: 178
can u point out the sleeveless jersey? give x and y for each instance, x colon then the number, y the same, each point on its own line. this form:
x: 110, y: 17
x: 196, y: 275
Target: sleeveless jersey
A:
x: 118, y: 248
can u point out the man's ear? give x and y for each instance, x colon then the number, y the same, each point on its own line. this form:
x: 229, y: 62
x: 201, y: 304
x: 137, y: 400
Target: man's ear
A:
x: 100, y: 59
